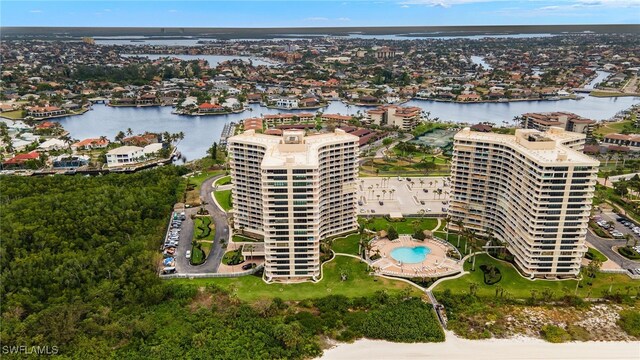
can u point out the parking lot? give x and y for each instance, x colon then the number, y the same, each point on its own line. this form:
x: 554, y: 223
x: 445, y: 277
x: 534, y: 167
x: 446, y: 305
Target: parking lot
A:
x: 172, y: 252
x: 402, y: 195
x: 617, y: 225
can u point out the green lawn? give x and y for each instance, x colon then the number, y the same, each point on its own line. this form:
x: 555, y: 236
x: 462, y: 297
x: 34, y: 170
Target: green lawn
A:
x: 611, y: 128
x: 16, y: 114
x: 223, y: 198
x: 197, y: 256
x: 406, y: 226
x: 596, y: 255
x: 199, y: 179
x: 206, y: 247
x: 202, y: 222
x: 347, y: 245
x: 358, y: 283
x: 223, y: 181
x: 519, y: 287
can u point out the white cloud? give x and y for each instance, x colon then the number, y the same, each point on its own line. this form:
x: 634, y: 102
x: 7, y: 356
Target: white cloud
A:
x: 343, y: 19
x: 405, y: 6
x: 35, y: 11
x: 317, y: 18
x: 582, y: 4
x: 443, y: 3
x: 173, y: 11
x: 107, y: 10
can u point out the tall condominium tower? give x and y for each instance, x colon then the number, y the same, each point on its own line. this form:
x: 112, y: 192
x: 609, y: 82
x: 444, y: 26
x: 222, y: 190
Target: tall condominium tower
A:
x: 294, y: 190
x: 531, y: 190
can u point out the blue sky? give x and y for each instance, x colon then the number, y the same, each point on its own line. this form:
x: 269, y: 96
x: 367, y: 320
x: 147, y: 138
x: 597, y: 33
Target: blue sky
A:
x: 316, y: 13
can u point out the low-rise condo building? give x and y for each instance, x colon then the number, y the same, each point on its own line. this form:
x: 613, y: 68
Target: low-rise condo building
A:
x: 404, y: 118
x: 294, y: 190
x: 532, y: 191
x: 566, y: 120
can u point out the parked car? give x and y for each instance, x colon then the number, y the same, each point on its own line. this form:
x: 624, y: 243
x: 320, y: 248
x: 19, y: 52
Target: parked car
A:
x: 248, y: 266
x: 425, y: 190
x: 381, y: 202
x: 422, y: 202
x: 169, y: 270
x: 188, y: 254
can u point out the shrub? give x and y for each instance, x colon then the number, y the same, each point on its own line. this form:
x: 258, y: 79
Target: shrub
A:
x: 492, y: 274
x: 578, y: 333
x: 392, y: 233
x: 232, y: 258
x: 405, y: 321
x: 419, y: 235
x: 629, y: 253
x: 630, y: 322
x: 555, y: 334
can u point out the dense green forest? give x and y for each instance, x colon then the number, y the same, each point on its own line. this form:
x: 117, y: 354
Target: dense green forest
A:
x: 78, y: 259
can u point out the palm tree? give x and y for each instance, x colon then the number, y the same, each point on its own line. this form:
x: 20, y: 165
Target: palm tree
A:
x: 421, y: 183
x: 461, y: 230
x: 384, y: 192
x: 391, y: 193
x: 627, y: 238
x: 250, y: 248
x: 129, y: 132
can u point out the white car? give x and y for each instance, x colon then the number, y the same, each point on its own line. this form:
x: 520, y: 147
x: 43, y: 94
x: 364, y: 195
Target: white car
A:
x: 188, y: 254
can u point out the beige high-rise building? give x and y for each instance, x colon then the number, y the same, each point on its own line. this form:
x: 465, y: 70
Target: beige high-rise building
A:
x: 294, y: 190
x: 531, y: 190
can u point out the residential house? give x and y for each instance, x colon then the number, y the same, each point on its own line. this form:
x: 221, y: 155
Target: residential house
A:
x: 92, y: 143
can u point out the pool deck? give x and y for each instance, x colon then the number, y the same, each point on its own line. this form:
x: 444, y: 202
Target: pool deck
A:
x: 436, y: 263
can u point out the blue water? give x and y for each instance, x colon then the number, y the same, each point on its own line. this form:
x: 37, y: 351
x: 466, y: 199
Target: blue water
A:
x: 410, y: 255
x: 201, y: 131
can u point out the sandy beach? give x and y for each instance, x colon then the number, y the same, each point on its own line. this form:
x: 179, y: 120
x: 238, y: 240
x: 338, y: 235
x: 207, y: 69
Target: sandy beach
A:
x: 455, y: 348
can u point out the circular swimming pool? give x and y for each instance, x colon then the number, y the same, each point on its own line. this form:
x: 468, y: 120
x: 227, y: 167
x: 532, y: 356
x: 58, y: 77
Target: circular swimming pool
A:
x: 410, y: 255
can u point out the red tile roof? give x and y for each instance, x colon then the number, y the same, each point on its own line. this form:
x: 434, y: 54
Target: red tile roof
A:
x: 20, y: 158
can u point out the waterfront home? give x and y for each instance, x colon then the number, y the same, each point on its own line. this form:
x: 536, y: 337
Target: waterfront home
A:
x: 209, y: 108
x: 254, y: 98
x: 52, y: 145
x: 20, y: 159
x: 66, y: 161
x: 152, y: 149
x: 146, y: 99
x: 7, y: 107
x: 286, y: 102
x: 141, y: 140
x: 469, y: 97
x: 91, y: 143
x: 124, y: 155
x: 45, y: 111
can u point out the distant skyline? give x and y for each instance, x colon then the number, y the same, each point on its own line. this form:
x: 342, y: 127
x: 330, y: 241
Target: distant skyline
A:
x: 310, y: 13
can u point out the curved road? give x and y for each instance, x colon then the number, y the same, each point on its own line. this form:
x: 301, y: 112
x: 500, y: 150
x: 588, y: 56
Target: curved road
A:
x: 219, y: 218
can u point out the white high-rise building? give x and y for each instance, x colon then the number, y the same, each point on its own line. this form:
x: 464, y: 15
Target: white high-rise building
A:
x: 294, y: 190
x: 531, y: 190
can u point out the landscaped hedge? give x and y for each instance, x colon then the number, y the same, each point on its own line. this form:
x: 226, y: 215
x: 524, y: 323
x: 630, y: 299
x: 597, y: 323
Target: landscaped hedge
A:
x: 629, y: 253
x: 491, y: 273
x: 204, y: 228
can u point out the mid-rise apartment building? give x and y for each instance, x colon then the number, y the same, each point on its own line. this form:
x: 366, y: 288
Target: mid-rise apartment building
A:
x: 404, y: 118
x: 294, y: 190
x: 531, y: 190
x: 566, y: 120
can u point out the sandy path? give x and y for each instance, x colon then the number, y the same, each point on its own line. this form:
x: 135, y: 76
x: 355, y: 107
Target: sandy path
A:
x: 455, y: 348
